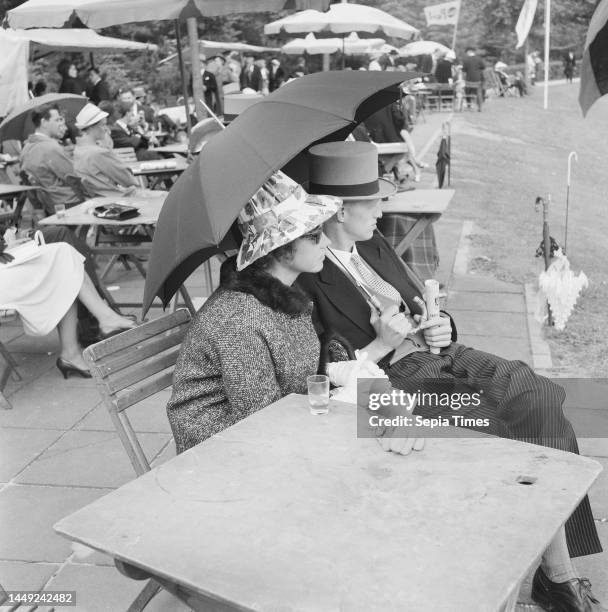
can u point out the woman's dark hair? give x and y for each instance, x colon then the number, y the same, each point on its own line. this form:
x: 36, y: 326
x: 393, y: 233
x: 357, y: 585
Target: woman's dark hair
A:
x: 43, y: 112
x: 39, y: 88
x: 63, y: 66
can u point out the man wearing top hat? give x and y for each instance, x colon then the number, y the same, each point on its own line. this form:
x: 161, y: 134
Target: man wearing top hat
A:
x: 364, y: 294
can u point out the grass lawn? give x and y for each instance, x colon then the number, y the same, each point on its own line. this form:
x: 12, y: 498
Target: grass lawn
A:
x: 506, y: 156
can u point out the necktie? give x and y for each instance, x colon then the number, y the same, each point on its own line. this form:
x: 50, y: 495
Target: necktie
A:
x: 385, y: 292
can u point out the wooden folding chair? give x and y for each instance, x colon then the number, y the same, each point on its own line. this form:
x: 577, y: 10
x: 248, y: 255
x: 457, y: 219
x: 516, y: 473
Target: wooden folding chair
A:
x: 127, y: 368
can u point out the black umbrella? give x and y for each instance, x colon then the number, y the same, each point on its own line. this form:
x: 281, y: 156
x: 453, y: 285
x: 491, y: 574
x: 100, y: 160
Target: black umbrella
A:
x: 443, y: 162
x: 18, y: 125
x: 207, y: 198
x: 594, y: 67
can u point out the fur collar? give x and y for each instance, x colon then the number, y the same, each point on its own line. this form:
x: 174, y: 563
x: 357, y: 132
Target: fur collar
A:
x: 266, y: 288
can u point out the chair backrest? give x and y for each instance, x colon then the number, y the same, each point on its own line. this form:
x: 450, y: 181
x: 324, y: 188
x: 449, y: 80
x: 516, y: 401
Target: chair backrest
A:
x: 125, y: 154
x: 134, y: 365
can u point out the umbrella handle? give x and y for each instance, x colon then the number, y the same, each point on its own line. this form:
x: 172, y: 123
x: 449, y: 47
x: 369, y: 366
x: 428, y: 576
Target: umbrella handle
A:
x: 212, y: 114
x: 574, y: 155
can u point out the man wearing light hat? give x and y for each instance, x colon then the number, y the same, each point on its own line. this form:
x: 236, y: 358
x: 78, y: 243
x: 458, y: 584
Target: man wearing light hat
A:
x: 101, y: 171
x: 364, y: 294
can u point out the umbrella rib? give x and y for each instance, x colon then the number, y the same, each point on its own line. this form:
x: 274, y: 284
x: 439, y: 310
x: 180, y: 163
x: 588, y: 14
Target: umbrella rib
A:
x: 296, y: 105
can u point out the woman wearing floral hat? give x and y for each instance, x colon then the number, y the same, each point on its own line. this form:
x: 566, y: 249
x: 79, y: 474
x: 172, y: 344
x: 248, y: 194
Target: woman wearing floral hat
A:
x: 253, y: 341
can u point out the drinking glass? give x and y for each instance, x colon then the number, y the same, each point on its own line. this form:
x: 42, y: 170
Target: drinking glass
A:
x: 318, y: 393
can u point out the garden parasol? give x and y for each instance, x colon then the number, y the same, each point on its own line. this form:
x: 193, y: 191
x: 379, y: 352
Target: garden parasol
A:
x: 351, y: 45
x: 344, y: 18
x: 18, y: 125
x: 594, y: 68
x: 422, y: 47
x: 206, y: 199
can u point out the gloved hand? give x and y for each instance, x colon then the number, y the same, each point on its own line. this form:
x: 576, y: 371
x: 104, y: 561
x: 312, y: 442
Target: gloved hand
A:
x: 342, y: 373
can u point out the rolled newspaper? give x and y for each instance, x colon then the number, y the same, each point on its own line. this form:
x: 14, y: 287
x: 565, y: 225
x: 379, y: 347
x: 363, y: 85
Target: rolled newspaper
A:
x: 431, y: 300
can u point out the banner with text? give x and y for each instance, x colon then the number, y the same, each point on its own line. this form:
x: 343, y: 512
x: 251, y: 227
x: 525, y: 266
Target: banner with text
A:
x: 442, y: 14
x: 524, y: 23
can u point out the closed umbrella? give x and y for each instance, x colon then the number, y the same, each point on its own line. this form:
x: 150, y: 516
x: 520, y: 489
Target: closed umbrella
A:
x: 594, y: 67
x: 343, y: 18
x: 422, y: 47
x: 18, y: 125
x: 204, y: 202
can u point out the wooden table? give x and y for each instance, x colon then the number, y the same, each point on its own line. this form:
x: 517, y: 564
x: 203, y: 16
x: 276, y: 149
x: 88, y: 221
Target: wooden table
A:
x: 159, y: 170
x: 289, y: 511
x: 149, y: 204
x: 427, y: 205
x: 17, y: 195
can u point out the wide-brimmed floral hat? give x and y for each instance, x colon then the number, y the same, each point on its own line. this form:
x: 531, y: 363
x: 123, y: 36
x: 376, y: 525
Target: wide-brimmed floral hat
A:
x: 278, y: 213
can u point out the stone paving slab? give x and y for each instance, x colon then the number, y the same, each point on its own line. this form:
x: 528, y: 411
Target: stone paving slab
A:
x: 18, y: 447
x: 587, y: 421
x: 593, y: 447
x: 474, y: 282
x: 149, y: 415
x: 31, y: 512
x: 23, y: 576
x: 35, y: 344
x: 30, y: 367
x: 98, y: 588
x: 88, y: 458
x: 480, y: 301
x: 49, y: 406
x: 493, y: 324
x: 599, y: 493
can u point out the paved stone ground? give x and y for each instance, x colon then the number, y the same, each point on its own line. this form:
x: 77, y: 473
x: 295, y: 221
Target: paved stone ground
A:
x: 58, y: 450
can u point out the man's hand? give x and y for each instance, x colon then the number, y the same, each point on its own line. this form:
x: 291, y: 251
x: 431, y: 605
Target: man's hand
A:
x: 437, y: 331
x: 391, y: 327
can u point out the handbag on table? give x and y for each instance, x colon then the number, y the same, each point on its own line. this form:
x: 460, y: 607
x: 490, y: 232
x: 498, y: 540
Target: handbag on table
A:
x: 115, y: 212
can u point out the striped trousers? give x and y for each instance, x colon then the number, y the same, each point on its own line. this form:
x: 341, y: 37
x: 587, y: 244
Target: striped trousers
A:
x: 520, y: 405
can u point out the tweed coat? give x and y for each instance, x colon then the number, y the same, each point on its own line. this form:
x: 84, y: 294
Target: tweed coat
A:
x: 249, y: 345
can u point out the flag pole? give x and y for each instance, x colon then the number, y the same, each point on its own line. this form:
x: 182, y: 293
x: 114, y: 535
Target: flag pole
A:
x: 456, y: 26
x: 547, y: 46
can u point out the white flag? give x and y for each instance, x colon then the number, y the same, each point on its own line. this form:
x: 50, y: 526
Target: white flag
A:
x: 442, y: 14
x: 524, y: 23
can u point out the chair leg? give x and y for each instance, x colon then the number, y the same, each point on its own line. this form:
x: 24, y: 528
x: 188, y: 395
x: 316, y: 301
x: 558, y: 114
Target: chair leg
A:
x: 145, y: 596
x: 4, y: 403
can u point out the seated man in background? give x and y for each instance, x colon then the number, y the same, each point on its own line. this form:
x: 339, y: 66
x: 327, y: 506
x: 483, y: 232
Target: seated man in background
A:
x: 101, y: 171
x: 126, y: 132
x: 46, y: 162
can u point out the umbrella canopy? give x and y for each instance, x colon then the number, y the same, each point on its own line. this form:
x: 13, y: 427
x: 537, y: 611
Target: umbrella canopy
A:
x: 342, y: 18
x: 213, y: 45
x: 422, y: 47
x: 204, y: 202
x: 594, y: 67
x: 351, y: 45
x: 76, y: 39
x: 18, y: 124
x: 103, y: 13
